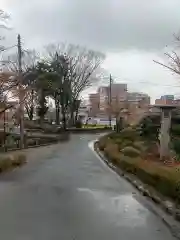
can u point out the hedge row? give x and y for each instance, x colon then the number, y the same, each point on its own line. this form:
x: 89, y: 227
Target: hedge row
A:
x: 89, y: 130
x: 164, y: 179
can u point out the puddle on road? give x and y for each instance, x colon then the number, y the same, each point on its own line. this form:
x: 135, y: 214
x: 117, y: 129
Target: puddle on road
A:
x: 122, y: 210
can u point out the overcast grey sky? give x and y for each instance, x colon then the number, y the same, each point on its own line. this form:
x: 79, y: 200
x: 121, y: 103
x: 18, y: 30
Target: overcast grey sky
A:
x: 131, y: 32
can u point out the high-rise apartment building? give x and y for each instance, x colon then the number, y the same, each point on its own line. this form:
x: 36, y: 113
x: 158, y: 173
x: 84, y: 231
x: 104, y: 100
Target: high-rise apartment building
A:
x: 118, y: 95
x: 166, y: 100
x: 136, y: 97
x: 167, y: 97
x: 94, y: 100
x: 137, y: 103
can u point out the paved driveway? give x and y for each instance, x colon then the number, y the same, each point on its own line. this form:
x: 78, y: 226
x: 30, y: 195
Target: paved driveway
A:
x: 65, y: 192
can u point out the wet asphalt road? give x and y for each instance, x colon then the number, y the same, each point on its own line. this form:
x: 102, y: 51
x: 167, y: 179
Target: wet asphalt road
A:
x: 70, y: 194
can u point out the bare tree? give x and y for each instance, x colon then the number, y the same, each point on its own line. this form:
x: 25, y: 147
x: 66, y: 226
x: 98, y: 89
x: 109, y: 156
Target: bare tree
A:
x: 173, y: 58
x: 6, y: 77
x: 5, y: 90
x: 4, y: 17
x: 30, y: 97
x: 29, y: 61
x: 84, y: 67
x: 30, y: 102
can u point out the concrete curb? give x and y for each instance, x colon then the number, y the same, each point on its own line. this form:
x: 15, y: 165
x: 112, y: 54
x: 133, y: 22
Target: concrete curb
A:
x: 167, y: 207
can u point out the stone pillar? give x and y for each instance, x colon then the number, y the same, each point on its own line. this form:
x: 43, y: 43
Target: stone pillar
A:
x: 164, y: 136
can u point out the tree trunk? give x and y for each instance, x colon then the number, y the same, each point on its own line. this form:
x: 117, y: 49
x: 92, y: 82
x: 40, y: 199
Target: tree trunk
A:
x: 71, y: 120
x: 57, y: 114
x: 57, y: 111
x: 64, y: 117
x: 31, y: 116
x: 42, y: 107
x: 41, y: 120
x: 31, y: 113
x: 32, y: 105
x: 76, y: 116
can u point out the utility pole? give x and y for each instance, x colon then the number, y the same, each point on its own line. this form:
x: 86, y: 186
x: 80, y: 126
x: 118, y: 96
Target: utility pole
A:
x: 110, y: 100
x: 21, y: 94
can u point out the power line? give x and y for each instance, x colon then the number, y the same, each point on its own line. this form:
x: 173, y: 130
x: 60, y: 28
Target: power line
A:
x: 127, y: 80
x: 8, y: 48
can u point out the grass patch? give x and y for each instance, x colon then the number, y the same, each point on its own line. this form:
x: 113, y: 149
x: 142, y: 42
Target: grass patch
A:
x: 95, y: 126
x: 11, y: 161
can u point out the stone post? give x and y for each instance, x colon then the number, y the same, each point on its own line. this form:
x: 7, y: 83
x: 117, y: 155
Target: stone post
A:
x: 164, y: 136
x: 164, y: 133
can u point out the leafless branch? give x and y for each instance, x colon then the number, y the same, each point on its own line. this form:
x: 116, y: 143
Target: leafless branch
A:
x: 84, y: 66
x: 173, y: 58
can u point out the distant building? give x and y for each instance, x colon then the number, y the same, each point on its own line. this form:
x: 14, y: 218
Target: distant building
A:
x: 165, y: 101
x: 167, y: 97
x: 94, y: 104
x: 137, y: 103
x: 118, y: 96
x: 177, y: 101
x: 137, y: 97
x: 83, y: 111
x: 138, y: 106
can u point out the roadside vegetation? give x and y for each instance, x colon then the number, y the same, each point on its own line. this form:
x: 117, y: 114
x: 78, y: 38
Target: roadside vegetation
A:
x: 136, y: 150
x: 11, y: 161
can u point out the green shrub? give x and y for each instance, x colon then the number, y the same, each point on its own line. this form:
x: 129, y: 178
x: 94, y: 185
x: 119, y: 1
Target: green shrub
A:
x: 18, y: 160
x: 128, y: 164
x: 140, y: 146
x: 118, y: 141
x: 114, y: 135
x: 176, y: 146
x: 102, y: 143
x: 163, y: 179
x: 5, y: 164
x: 175, y: 130
x: 129, y: 133
x: 78, y: 124
x: 130, y: 152
x: 126, y: 143
x: 107, y: 127
x: 112, y: 152
x: 149, y: 127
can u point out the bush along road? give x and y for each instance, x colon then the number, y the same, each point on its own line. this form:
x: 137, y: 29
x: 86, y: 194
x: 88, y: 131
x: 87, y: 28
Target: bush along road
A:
x: 11, y: 161
x: 136, y: 160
